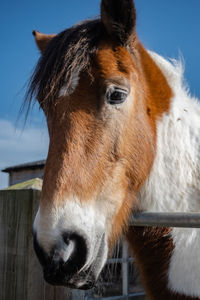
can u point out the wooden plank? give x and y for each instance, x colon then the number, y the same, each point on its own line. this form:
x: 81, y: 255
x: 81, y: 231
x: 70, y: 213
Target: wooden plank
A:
x: 20, y: 274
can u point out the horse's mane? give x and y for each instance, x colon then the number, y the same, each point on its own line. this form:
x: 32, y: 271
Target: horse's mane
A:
x: 66, y: 55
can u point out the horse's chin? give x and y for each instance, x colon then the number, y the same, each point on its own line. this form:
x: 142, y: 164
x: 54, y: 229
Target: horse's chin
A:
x: 81, y: 281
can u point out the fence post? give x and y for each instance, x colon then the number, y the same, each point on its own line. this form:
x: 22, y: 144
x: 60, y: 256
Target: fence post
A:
x: 21, y: 276
x: 125, y: 269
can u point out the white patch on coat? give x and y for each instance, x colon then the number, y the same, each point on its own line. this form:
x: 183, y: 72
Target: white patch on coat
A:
x: 184, y: 270
x: 174, y: 182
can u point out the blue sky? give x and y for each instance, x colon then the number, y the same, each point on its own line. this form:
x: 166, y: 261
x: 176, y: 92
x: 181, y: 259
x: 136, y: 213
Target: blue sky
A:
x: 168, y: 27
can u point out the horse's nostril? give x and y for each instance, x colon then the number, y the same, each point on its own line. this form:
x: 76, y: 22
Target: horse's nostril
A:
x: 67, y: 260
x: 64, y: 260
x: 76, y: 250
x: 66, y: 238
x: 64, y: 252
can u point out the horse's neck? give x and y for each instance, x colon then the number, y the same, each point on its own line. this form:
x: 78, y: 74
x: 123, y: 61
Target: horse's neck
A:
x: 163, y: 277
x: 168, y: 259
x: 174, y: 182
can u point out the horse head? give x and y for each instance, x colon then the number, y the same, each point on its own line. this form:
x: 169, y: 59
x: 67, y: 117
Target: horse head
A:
x: 93, y: 84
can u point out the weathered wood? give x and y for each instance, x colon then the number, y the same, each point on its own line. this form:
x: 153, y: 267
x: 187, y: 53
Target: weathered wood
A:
x: 20, y: 274
x: 33, y: 184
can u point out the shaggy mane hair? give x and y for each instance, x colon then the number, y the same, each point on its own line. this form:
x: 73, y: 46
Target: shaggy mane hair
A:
x: 66, y: 55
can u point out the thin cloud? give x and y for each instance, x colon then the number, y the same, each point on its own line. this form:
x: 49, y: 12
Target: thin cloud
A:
x: 20, y: 146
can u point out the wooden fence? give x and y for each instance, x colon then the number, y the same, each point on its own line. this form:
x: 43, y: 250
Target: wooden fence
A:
x: 20, y: 274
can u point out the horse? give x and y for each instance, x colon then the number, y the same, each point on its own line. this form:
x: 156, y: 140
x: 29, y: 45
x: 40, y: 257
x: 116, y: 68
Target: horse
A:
x: 124, y: 137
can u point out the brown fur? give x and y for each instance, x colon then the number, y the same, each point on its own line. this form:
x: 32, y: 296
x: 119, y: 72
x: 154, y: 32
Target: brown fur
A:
x: 158, y: 92
x: 42, y: 40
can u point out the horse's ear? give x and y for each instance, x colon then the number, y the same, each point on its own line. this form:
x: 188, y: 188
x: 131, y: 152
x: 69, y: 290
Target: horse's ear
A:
x: 119, y: 19
x: 42, y: 39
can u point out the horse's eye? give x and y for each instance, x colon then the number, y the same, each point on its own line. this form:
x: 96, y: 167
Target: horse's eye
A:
x: 116, y: 96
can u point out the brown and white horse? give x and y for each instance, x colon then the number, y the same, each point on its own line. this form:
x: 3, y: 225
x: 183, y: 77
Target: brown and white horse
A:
x: 124, y: 136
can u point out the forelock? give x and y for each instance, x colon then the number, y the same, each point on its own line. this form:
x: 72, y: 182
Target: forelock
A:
x: 66, y: 55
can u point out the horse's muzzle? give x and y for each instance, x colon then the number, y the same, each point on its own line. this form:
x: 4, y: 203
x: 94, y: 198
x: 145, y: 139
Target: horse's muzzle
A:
x: 63, y: 265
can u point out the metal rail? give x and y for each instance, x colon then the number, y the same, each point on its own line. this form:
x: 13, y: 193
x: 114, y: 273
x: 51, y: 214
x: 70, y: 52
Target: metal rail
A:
x: 186, y: 220
x: 125, y: 270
